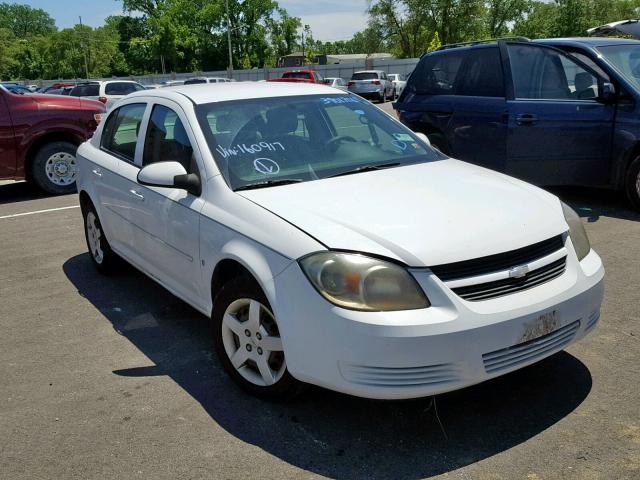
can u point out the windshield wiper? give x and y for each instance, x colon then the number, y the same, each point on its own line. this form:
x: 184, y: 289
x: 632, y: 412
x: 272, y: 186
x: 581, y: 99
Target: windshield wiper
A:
x: 366, y: 168
x: 269, y: 183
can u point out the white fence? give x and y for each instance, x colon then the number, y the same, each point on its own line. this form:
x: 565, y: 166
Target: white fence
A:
x: 402, y: 66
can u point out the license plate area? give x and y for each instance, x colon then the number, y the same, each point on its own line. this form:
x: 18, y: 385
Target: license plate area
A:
x: 540, y: 326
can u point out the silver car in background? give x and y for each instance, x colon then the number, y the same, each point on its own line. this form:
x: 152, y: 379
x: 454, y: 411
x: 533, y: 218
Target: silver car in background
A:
x: 336, y: 82
x: 372, y: 85
x: 399, y: 81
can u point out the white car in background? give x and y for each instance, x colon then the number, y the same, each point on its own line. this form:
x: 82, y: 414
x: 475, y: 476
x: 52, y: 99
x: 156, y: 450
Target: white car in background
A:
x: 196, y: 80
x: 336, y: 82
x: 108, y: 92
x: 331, y: 245
x: 171, y: 83
x: 372, y: 84
x: 399, y: 82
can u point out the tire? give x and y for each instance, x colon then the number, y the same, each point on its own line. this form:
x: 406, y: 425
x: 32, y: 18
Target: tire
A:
x: 54, y: 168
x: 103, y: 258
x: 242, y: 342
x: 439, y: 141
x: 632, y: 183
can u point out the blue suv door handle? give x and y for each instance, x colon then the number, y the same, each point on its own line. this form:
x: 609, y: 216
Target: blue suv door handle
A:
x: 526, y: 119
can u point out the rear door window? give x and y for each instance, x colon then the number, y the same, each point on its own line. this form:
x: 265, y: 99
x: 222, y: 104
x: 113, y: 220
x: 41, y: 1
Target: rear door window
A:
x: 437, y: 74
x: 482, y: 74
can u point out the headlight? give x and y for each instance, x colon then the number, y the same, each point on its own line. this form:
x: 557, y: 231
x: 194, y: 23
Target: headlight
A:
x: 576, y: 232
x: 358, y: 282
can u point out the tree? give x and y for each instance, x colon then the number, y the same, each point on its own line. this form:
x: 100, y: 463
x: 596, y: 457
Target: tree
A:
x: 25, y: 21
x: 501, y: 13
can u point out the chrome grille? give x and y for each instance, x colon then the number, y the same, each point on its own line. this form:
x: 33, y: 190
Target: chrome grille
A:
x: 500, y: 261
x: 528, y: 352
x: 485, y: 291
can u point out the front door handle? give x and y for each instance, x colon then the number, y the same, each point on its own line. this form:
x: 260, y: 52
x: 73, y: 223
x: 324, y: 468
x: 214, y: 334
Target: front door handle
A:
x: 97, y: 172
x: 136, y: 194
x: 526, y: 119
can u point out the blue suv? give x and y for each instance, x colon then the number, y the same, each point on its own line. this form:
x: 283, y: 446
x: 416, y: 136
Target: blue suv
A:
x: 551, y: 112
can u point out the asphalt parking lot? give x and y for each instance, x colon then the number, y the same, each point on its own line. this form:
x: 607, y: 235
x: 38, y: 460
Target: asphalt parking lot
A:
x: 113, y: 377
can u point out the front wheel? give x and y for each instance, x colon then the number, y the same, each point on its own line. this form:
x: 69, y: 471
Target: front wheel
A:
x: 632, y: 183
x: 54, y: 168
x: 247, y: 340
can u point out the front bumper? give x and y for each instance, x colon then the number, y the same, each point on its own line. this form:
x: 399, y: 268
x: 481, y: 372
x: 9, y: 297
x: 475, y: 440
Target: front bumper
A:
x: 450, y: 345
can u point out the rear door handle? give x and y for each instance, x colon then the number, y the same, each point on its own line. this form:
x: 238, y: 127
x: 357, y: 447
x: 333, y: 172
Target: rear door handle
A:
x: 97, y: 172
x: 526, y: 119
x: 136, y: 194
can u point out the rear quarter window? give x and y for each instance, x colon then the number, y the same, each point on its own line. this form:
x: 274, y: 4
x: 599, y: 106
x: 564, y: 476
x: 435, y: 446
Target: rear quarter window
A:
x: 437, y: 74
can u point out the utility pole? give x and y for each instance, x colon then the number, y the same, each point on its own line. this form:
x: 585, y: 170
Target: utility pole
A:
x: 84, y: 51
x: 230, y: 73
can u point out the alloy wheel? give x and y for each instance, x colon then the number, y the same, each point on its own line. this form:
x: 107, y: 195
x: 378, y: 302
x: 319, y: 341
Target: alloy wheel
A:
x: 252, y: 342
x: 94, y: 234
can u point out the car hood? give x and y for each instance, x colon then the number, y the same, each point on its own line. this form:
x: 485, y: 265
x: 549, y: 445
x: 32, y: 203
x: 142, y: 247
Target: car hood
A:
x: 45, y: 102
x: 422, y: 215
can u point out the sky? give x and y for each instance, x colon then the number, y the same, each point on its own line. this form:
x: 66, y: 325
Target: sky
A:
x: 329, y: 20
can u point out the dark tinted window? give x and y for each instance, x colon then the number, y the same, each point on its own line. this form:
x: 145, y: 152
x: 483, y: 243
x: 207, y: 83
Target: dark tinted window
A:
x: 482, y: 75
x: 121, y: 130
x: 167, y: 140
x: 193, y: 81
x: 121, y: 88
x: 365, y: 76
x: 301, y: 75
x: 89, y: 90
x: 436, y: 74
x: 543, y: 73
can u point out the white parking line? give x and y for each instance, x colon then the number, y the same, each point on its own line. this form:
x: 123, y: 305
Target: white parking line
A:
x: 38, y: 211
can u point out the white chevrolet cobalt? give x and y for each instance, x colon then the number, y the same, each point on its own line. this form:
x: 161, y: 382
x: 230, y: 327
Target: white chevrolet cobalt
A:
x: 331, y: 245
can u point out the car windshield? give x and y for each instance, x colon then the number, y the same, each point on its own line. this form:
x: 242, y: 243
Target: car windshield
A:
x: 625, y: 58
x: 262, y: 142
x: 365, y: 76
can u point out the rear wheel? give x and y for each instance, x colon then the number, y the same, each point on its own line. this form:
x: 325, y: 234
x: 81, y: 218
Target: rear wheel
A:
x: 54, y: 168
x: 103, y: 258
x: 247, y: 341
x: 632, y: 183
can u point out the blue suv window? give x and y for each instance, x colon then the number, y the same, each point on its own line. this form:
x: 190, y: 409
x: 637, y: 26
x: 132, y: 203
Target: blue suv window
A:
x: 437, y: 74
x: 482, y: 74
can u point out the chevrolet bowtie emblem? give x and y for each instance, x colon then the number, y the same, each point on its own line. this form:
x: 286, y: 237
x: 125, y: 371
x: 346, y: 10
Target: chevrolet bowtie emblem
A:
x: 518, y: 272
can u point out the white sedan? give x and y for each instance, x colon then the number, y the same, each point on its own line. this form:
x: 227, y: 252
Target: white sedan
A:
x: 331, y: 245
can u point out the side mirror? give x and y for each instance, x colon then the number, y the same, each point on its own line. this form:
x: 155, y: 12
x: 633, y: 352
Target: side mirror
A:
x: 422, y: 137
x: 169, y: 175
x: 607, y: 93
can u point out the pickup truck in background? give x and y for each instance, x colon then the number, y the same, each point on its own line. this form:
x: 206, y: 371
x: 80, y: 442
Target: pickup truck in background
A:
x: 39, y: 136
x: 299, y: 76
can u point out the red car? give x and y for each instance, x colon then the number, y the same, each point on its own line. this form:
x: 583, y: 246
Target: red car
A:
x: 39, y: 136
x: 299, y: 76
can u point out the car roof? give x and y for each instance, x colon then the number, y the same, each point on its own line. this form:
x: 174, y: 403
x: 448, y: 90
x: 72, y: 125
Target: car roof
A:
x: 588, y: 41
x: 227, y: 91
x: 368, y: 71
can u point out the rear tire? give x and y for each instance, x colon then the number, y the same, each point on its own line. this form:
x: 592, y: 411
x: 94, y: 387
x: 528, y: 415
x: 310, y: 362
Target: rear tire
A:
x: 54, y: 168
x: 104, y: 259
x: 247, y: 341
x: 632, y: 183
